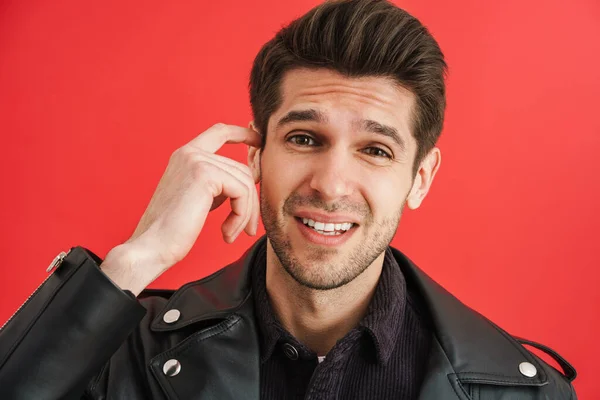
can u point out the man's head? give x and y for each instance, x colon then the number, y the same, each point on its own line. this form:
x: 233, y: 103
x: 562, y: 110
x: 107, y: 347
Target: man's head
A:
x: 349, y: 100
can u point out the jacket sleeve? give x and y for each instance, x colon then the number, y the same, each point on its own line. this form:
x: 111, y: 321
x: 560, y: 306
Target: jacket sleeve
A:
x: 65, y: 332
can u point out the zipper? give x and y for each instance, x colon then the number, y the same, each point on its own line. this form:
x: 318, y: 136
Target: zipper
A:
x: 58, y: 260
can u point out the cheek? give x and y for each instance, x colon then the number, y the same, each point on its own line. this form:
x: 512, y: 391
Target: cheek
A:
x: 385, y: 196
x: 279, y: 178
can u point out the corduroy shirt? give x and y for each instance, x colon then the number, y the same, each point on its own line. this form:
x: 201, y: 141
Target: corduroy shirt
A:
x: 384, y: 357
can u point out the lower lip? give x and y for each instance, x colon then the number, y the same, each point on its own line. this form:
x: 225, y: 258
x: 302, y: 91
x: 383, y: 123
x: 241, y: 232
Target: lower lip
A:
x: 324, y: 240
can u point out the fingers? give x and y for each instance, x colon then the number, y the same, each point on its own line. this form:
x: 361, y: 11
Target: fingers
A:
x: 216, y: 136
x: 245, y: 207
x: 252, y: 225
x: 241, y: 204
x: 244, y: 169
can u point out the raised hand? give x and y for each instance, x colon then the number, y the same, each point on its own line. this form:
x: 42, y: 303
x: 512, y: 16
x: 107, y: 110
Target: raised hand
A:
x: 195, y: 182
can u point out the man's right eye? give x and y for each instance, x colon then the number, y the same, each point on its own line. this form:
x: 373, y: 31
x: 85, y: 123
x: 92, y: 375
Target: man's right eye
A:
x: 302, y: 140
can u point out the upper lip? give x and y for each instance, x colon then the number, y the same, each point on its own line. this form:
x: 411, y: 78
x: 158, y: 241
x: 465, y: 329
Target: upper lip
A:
x: 326, y: 218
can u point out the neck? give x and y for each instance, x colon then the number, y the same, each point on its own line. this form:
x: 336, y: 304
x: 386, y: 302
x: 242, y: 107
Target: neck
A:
x: 319, y: 318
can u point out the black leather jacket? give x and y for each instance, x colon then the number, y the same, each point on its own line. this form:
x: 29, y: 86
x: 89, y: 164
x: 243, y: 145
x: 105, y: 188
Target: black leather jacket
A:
x: 81, y: 337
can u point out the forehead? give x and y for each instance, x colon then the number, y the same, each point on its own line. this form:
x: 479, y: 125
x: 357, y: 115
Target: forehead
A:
x: 377, y: 98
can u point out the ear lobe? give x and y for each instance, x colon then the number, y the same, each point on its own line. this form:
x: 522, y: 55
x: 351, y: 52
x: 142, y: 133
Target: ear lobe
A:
x: 427, y: 171
x: 413, y: 201
x: 254, y: 162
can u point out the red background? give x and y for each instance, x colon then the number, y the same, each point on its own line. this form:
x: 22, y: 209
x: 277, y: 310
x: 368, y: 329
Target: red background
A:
x: 94, y: 97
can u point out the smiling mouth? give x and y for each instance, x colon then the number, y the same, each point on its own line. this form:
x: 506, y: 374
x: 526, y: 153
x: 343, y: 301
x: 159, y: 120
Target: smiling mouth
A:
x: 327, y: 228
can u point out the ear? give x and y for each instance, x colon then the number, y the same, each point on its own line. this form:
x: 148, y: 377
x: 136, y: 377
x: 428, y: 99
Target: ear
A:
x: 254, y: 157
x: 424, y: 178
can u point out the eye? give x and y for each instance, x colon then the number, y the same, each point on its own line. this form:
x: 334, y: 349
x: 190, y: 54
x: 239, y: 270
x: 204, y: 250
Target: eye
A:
x: 376, y: 152
x: 302, y: 140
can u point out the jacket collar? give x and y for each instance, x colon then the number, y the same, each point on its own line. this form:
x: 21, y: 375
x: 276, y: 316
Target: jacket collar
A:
x: 475, y: 349
x: 214, y: 297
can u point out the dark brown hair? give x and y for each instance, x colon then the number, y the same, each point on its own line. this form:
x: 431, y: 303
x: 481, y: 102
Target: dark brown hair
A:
x: 357, y: 38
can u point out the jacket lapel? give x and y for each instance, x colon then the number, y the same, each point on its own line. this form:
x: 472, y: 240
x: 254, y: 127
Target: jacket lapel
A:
x: 220, y: 361
x: 473, y: 349
x: 439, y: 377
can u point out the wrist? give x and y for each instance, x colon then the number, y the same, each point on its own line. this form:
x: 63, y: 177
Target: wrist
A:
x: 132, y: 266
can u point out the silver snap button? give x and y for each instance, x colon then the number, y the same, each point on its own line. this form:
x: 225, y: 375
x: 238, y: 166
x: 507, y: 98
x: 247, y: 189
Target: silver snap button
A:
x: 171, y: 367
x: 171, y: 316
x: 290, y: 351
x: 528, y: 369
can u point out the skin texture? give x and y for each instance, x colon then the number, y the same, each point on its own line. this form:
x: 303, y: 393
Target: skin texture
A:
x: 334, y: 163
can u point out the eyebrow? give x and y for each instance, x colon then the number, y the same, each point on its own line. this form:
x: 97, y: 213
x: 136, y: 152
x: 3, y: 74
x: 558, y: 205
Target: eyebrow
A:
x: 365, y: 124
x: 303, y: 116
x: 385, y: 130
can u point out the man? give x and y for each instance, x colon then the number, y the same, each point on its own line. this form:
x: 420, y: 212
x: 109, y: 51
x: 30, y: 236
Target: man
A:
x: 348, y: 103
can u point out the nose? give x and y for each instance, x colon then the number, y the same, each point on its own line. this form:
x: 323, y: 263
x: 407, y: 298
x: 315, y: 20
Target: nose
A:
x: 332, y: 176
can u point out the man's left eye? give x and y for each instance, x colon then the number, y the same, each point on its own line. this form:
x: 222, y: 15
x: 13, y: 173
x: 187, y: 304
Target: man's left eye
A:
x: 377, y: 152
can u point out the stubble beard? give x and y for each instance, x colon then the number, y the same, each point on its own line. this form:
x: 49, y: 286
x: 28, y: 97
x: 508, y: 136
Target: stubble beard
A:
x: 327, y: 275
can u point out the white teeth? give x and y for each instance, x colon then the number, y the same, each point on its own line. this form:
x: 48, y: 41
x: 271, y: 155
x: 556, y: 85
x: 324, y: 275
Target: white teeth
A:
x: 308, y: 221
x: 345, y: 226
x: 327, y: 228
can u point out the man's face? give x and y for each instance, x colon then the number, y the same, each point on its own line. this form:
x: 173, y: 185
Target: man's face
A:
x: 336, y: 171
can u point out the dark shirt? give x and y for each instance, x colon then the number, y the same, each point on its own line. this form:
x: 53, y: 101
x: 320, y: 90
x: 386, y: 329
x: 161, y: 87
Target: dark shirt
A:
x: 384, y: 357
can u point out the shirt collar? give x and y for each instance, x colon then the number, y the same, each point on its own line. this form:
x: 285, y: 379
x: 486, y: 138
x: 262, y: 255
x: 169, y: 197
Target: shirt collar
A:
x: 387, y: 308
x: 382, y: 322
x: 269, y: 327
